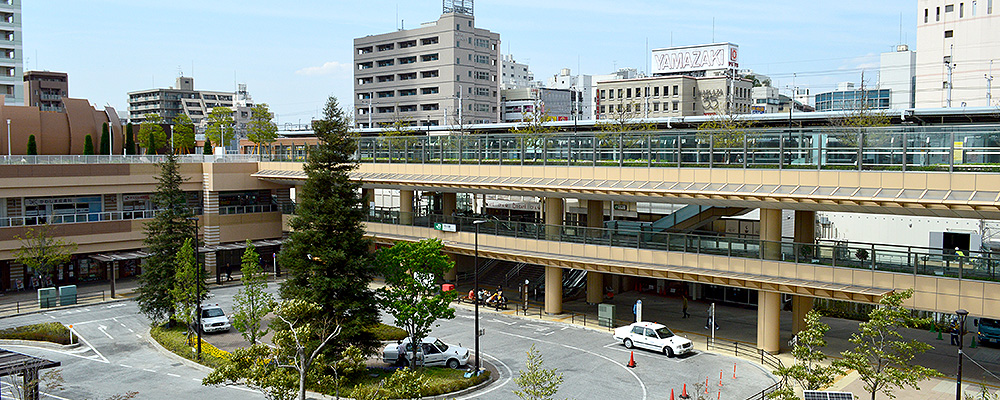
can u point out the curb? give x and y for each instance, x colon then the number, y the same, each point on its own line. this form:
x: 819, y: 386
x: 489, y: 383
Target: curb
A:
x: 171, y: 354
x: 38, y: 343
x: 119, y: 299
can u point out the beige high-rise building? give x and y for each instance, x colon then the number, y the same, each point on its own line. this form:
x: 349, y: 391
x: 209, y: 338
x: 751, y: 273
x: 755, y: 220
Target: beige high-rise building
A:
x: 45, y: 90
x: 441, y: 73
x: 963, y: 38
x: 11, y: 52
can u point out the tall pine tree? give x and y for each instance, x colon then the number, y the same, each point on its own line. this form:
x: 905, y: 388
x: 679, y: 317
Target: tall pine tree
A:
x: 328, y: 227
x: 88, y: 146
x: 165, y: 234
x: 129, y: 140
x: 32, y: 147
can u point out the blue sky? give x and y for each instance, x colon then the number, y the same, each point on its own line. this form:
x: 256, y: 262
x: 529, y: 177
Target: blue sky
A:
x: 294, y: 54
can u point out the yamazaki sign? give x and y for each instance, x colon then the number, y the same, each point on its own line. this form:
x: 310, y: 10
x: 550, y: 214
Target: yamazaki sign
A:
x: 695, y: 58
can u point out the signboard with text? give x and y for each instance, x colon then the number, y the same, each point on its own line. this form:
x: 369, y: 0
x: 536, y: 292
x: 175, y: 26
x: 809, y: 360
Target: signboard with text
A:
x: 695, y: 58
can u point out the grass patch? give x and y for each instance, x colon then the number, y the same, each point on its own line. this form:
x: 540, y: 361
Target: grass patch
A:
x: 175, y: 339
x: 48, y: 332
x: 385, y: 332
x: 439, y: 381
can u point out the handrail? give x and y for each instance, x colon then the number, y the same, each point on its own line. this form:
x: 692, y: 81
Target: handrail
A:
x: 127, y: 159
x: 976, y: 265
x: 83, y: 217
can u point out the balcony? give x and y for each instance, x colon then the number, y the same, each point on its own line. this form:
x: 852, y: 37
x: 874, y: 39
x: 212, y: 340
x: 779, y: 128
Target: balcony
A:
x: 81, y: 218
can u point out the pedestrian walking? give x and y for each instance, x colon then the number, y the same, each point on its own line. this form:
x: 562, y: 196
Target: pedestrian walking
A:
x: 684, y: 306
x: 954, y: 330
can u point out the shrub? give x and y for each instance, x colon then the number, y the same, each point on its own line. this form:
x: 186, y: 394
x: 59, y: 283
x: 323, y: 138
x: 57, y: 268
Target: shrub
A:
x: 48, y: 332
x: 32, y: 146
x: 385, y: 332
x: 88, y: 146
x: 175, y: 340
x: 405, y: 383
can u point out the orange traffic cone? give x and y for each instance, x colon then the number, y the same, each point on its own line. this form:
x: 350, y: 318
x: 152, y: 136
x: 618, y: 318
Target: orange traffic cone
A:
x: 631, y: 359
x: 684, y: 393
x: 671, y: 393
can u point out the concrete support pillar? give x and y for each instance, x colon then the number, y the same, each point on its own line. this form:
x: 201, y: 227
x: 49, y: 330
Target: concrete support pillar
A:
x: 595, y: 216
x: 553, y: 290
x: 800, y: 306
x: 554, y: 210
x: 805, y: 226
x: 769, y: 321
x: 449, y: 201
x: 452, y: 274
x: 406, y: 207
x: 770, y: 233
x: 595, y: 287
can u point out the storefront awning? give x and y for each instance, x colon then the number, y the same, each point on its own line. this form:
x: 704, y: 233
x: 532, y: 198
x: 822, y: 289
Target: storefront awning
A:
x: 133, y: 255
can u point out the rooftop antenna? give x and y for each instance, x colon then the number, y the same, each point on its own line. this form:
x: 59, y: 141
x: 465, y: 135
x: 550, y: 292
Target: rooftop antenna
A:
x: 713, y: 29
x: 901, y: 28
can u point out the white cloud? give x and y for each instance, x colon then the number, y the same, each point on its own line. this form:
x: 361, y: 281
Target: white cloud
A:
x: 328, y: 68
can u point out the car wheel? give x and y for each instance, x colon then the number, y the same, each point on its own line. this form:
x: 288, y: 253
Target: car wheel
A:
x: 453, y: 363
x: 628, y: 343
x: 668, y: 351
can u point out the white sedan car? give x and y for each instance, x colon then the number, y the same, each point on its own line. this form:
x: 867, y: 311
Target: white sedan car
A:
x: 653, y: 336
x: 433, y: 352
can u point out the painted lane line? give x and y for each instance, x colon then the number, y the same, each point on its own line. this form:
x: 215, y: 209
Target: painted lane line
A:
x: 504, y: 322
x: 148, y: 370
x: 84, y: 340
x: 126, y: 366
x: 71, y: 354
x: 510, y: 375
x: 237, y: 387
x: 173, y: 375
x: 115, y: 305
x: 123, y: 325
x: 104, y: 330
x: 564, y: 328
x: 94, y: 320
x: 130, y: 330
x: 622, y: 366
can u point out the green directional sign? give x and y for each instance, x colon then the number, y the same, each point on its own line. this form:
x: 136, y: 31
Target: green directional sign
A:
x: 445, y: 227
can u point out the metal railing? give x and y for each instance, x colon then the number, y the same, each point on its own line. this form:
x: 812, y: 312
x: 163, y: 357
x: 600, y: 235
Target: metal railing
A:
x: 83, y: 217
x: 130, y: 159
x: 25, y: 306
x: 249, y: 209
x: 748, y: 351
x: 873, y: 257
x: 972, y: 148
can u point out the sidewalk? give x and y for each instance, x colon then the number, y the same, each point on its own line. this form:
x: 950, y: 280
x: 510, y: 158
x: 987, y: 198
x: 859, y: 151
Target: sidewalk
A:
x: 740, y: 324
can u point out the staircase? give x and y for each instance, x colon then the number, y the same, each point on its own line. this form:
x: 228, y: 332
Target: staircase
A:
x: 693, y: 217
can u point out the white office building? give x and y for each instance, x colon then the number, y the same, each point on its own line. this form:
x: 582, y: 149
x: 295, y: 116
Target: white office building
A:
x: 898, y: 72
x: 583, y: 85
x: 957, y: 42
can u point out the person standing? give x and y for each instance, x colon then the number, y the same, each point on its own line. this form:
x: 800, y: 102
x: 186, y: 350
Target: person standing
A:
x: 684, y: 306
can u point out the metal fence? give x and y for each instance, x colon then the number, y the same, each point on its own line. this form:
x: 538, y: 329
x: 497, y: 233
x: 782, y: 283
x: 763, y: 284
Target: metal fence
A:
x: 129, y: 159
x: 25, y: 306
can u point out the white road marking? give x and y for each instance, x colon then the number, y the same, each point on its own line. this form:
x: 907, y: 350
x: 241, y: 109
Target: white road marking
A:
x: 60, y: 352
x: 240, y: 388
x: 130, y: 330
x: 564, y: 328
x: 84, y: 340
x: 547, y: 334
x: 126, y: 366
x: 92, y: 321
x: 504, y: 322
x: 149, y: 370
x: 115, y: 305
x: 104, y: 330
x: 620, y: 365
x: 173, y: 375
x: 510, y: 375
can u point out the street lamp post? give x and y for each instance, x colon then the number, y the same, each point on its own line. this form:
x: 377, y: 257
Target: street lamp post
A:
x: 198, y: 282
x: 962, y: 313
x: 8, y: 137
x: 475, y: 292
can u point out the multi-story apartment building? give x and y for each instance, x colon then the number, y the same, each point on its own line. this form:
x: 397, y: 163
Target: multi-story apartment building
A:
x: 957, y: 43
x: 444, y: 72
x: 582, y: 84
x: 11, y: 54
x: 182, y: 99
x: 515, y: 75
x: 46, y: 90
x: 538, y: 104
x: 672, y: 96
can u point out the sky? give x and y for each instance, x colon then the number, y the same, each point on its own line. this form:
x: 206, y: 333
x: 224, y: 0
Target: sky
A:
x: 294, y: 54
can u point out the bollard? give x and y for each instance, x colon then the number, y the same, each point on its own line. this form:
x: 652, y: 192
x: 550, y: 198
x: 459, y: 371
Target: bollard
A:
x: 71, y: 334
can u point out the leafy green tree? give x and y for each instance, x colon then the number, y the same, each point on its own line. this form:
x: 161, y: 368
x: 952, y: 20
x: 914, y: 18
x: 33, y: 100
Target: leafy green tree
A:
x: 405, y: 383
x: 262, y: 129
x: 251, y: 366
x: 221, y: 126
x: 301, y: 331
x: 42, y: 252
x: 726, y: 131
x: 32, y: 146
x: 808, y: 370
x: 537, y: 382
x: 129, y: 139
x: 252, y: 302
x: 151, y: 132
x: 183, y: 130
x: 207, y: 147
x: 165, y: 234
x: 105, y: 140
x: 186, y: 290
x: 88, y: 145
x: 327, y: 254
x: 882, y: 358
x: 411, y: 295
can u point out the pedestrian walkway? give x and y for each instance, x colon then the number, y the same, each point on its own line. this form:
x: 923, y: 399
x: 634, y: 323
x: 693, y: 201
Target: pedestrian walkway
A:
x: 740, y: 324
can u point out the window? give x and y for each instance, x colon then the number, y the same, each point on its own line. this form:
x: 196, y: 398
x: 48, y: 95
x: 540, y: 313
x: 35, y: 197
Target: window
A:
x: 364, y: 96
x: 656, y: 91
x: 482, y: 91
x: 482, y: 75
x: 676, y: 106
x: 429, y: 41
x: 407, y: 92
x: 383, y: 110
x: 429, y: 107
x: 409, y: 108
x: 677, y: 91
x: 364, y: 65
x: 429, y: 90
x: 961, y: 10
x: 949, y: 8
x: 364, y: 50
x: 620, y: 91
x: 926, y: 15
x: 384, y: 94
x: 385, y: 47
x: 386, y: 78
x: 364, y: 81
x: 602, y: 94
x: 407, y: 60
x: 429, y: 74
x: 656, y: 106
x: 385, y: 63
x: 429, y: 57
x: 628, y: 93
x: 949, y: 33
x: 937, y: 14
x: 407, y: 44
x: 408, y: 76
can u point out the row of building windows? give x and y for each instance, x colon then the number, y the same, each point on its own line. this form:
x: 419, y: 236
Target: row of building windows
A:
x: 626, y: 93
x: 950, y: 8
x: 402, y: 45
x: 403, y: 77
x: 401, y: 93
x: 401, y: 60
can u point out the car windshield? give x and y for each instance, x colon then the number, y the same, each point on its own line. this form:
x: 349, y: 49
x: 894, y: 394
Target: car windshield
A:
x: 212, y: 313
x: 991, y: 323
x: 664, y: 332
x: 441, y: 345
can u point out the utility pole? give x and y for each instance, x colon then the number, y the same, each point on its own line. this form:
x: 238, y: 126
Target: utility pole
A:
x: 951, y: 66
x: 989, y: 86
